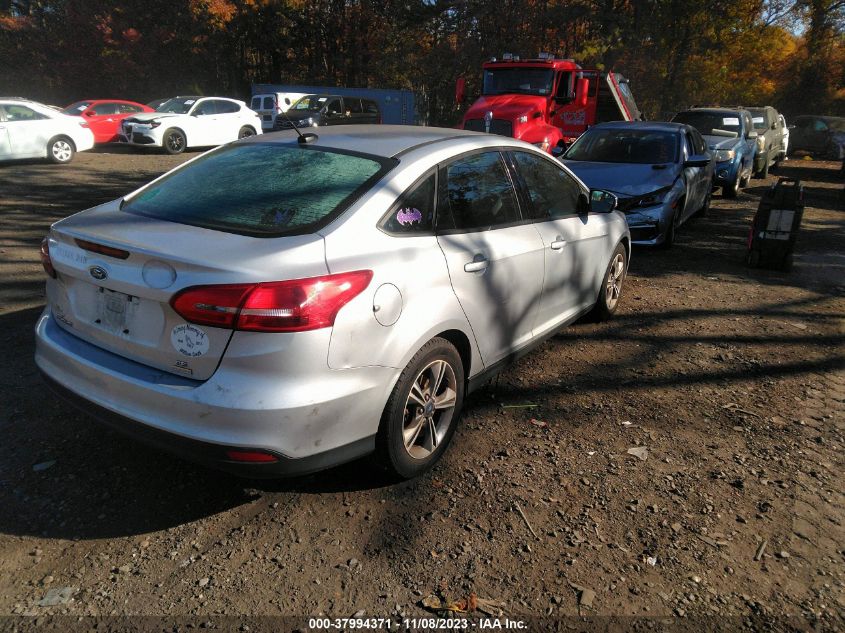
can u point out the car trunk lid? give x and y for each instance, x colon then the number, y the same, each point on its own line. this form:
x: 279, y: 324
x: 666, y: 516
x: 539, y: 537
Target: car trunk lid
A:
x: 117, y: 272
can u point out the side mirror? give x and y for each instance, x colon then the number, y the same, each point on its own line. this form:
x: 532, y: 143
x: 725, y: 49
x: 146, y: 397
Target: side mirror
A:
x: 697, y: 161
x: 460, y: 90
x: 287, y: 101
x: 752, y: 135
x: 89, y: 113
x: 582, y: 87
x: 602, y: 201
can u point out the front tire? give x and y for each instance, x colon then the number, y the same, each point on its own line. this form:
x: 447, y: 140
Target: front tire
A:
x: 60, y: 150
x: 174, y: 141
x: 420, y: 416
x: 611, y: 289
x: 731, y: 190
x: 669, y: 237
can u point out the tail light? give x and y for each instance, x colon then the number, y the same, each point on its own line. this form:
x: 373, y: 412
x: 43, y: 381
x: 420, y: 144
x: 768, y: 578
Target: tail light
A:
x: 277, y: 306
x: 253, y: 457
x: 45, y: 258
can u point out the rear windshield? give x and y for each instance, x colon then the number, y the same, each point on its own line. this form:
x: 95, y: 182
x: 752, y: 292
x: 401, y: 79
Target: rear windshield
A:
x: 625, y: 146
x: 262, y: 189
x: 77, y: 108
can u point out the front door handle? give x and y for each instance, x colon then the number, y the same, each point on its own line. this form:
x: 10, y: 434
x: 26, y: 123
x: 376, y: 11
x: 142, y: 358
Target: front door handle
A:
x: 558, y: 243
x: 478, y: 264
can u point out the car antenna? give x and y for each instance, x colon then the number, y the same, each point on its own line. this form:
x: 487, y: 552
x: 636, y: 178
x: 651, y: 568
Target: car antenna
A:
x: 303, y: 138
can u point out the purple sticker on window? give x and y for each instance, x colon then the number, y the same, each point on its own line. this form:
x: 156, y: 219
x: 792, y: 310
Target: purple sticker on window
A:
x: 408, y: 216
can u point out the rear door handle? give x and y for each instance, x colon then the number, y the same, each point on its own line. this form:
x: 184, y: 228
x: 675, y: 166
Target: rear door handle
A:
x: 558, y: 244
x: 476, y: 265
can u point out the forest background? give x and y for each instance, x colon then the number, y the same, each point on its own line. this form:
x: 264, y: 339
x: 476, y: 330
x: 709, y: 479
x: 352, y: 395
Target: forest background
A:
x: 786, y: 53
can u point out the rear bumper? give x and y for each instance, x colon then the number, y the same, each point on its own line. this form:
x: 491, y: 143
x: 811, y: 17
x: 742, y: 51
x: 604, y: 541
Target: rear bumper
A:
x: 309, y: 425
x: 206, y: 453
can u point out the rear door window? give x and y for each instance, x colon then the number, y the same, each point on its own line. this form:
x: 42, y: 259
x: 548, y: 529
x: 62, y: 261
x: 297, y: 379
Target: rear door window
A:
x: 477, y: 194
x: 353, y: 105
x: 265, y: 190
x: 413, y: 213
x: 269, y: 103
x: 256, y: 103
x: 226, y: 107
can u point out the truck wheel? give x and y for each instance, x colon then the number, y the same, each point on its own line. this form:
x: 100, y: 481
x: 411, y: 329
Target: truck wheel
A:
x: 174, y: 141
x: 421, y: 414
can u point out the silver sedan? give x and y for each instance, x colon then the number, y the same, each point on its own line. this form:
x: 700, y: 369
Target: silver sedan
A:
x: 283, y: 304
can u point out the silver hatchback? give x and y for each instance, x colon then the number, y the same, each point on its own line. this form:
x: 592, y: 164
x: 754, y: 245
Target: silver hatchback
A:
x: 277, y: 306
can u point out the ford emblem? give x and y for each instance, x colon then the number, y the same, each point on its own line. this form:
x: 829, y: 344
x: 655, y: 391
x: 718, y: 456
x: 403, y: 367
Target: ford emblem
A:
x: 98, y: 272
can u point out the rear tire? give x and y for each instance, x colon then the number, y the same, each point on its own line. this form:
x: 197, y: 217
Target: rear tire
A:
x: 174, y: 141
x: 420, y: 416
x: 246, y: 132
x: 60, y: 150
x: 611, y: 289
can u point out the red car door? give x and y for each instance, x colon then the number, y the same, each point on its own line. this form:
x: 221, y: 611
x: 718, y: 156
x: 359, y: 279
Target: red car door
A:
x: 103, y: 120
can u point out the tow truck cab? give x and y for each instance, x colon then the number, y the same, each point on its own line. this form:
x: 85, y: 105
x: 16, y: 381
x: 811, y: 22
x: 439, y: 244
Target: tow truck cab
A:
x: 548, y: 102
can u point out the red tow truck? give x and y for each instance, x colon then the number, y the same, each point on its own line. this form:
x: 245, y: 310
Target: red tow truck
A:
x: 548, y: 102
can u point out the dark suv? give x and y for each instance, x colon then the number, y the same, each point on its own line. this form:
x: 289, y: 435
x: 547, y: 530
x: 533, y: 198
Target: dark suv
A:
x: 323, y: 110
x: 769, y: 138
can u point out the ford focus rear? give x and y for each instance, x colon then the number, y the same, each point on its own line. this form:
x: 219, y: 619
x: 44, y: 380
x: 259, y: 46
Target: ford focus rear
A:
x: 277, y: 307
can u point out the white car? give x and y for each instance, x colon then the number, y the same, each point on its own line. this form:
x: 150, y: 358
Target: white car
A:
x: 184, y: 122
x: 29, y: 129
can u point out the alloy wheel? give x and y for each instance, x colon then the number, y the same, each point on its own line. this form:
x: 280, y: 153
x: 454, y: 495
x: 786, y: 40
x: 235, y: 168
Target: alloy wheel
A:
x: 62, y: 151
x: 613, y: 286
x: 429, y: 409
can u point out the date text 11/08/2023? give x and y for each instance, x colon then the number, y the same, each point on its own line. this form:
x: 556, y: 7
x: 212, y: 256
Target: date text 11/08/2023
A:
x: 416, y: 624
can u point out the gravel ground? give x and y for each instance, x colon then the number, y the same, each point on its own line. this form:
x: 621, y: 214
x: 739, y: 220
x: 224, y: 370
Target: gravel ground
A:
x: 731, y: 380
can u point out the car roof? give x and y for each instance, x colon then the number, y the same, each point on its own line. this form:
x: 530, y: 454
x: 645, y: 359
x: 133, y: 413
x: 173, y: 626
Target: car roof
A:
x: 654, y: 126
x: 715, y: 110
x: 378, y: 140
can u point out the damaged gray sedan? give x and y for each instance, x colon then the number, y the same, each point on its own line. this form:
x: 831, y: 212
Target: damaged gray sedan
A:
x: 662, y: 174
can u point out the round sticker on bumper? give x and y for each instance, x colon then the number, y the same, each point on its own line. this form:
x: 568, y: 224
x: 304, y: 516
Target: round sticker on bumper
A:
x: 189, y: 340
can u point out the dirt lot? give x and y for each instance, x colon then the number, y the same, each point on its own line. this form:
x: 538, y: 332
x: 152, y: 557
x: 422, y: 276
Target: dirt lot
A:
x: 733, y: 379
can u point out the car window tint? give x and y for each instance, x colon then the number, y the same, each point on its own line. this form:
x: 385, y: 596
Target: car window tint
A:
x: 266, y: 190
x: 226, y: 107
x: 553, y: 192
x: 414, y: 212
x: 478, y: 194
x: 333, y: 106
x: 369, y: 106
x: 353, y: 105
x: 204, y: 108
x: 22, y: 113
x: 700, y: 145
x: 105, y: 108
x: 269, y: 103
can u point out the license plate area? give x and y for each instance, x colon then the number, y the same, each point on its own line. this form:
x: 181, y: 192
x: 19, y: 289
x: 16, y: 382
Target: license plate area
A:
x: 115, y: 311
